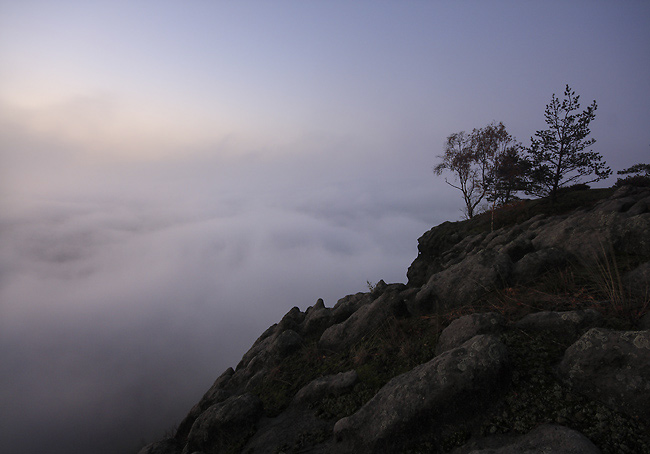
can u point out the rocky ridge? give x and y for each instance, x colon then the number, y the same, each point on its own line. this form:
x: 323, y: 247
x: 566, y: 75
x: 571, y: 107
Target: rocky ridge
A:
x: 473, y: 355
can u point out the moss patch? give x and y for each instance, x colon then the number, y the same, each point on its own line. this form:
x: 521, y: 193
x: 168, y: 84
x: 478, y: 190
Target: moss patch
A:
x: 537, y: 397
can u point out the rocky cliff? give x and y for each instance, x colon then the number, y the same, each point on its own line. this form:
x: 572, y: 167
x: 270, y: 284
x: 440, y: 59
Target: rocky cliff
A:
x: 521, y: 331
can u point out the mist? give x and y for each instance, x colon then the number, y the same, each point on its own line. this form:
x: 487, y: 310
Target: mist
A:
x: 176, y: 176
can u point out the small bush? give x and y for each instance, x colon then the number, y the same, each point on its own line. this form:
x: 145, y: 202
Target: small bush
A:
x: 572, y: 188
x: 634, y: 180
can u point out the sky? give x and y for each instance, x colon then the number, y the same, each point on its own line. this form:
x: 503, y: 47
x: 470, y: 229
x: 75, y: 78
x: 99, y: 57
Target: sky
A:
x: 176, y: 176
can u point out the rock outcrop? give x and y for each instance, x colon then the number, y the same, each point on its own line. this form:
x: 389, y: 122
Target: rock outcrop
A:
x: 453, y: 270
x: 454, y: 360
x: 544, y: 439
x: 446, y: 388
x: 362, y: 321
x: 468, y: 326
x: 612, y: 366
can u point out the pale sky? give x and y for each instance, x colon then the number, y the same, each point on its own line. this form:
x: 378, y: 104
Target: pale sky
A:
x: 175, y: 176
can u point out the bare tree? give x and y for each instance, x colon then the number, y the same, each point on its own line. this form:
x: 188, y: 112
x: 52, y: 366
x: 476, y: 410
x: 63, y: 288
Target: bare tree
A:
x: 497, y: 154
x: 479, y: 163
x: 459, y: 158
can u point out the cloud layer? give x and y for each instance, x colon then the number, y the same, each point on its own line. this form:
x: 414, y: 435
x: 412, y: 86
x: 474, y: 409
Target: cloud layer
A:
x: 175, y: 177
x: 127, y: 287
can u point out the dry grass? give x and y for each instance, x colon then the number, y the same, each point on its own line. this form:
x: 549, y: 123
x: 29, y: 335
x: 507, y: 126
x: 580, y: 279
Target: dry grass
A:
x: 608, y: 283
x: 597, y: 285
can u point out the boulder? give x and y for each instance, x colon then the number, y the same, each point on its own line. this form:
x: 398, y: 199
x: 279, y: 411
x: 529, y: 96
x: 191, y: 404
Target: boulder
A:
x: 331, y: 385
x: 219, y: 425
x: 169, y: 446
x: 431, y: 246
x: 286, y: 342
x: 644, y: 323
x: 468, y: 326
x: 320, y: 304
x: 567, y: 324
x: 268, y: 353
x: 544, y: 439
x: 363, y: 321
x: 535, y: 263
x: 610, y: 223
x: 580, y: 235
x: 291, y: 320
x: 466, y: 281
x: 450, y: 386
x: 379, y: 288
x: 262, y: 343
x: 317, y: 320
x: 613, y: 367
x: 263, y: 353
x: 637, y: 282
x: 256, y: 380
x: 518, y: 248
x: 214, y: 395
x: 295, y: 430
x: 630, y: 236
x: 616, y: 204
x: 640, y: 207
x: 349, y: 304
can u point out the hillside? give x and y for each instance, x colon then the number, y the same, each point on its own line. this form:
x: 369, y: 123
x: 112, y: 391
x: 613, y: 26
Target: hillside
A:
x: 526, y: 329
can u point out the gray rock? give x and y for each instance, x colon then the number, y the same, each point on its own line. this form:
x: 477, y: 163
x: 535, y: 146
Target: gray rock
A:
x: 449, y: 387
x: 214, y: 395
x: 256, y: 380
x: 613, y: 367
x: 544, y: 439
x: 267, y: 353
x: 291, y: 320
x: 364, y: 320
x: 224, y: 422
x: 518, y: 248
x: 580, y: 235
x: 320, y: 304
x: 644, y: 323
x: 379, y: 288
x: 466, y: 281
x: 637, y: 282
x: 295, y: 430
x: 431, y: 246
x: 468, y: 326
x: 318, y: 319
x: 566, y: 324
x: 285, y: 343
x: 325, y: 386
x: 640, y: 207
x: 630, y: 236
x: 497, y: 238
x: 349, y: 304
x: 408, y: 296
x: 534, y: 264
x: 586, y: 234
x: 470, y: 243
x: 270, y: 349
x: 261, y: 344
x: 169, y: 446
x: 619, y: 205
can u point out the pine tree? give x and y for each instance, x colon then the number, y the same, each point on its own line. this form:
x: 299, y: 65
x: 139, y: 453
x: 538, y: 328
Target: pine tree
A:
x: 557, y: 156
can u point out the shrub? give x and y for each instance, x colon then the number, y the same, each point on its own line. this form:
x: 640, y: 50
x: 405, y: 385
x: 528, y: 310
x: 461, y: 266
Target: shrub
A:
x: 633, y: 180
x: 573, y: 188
